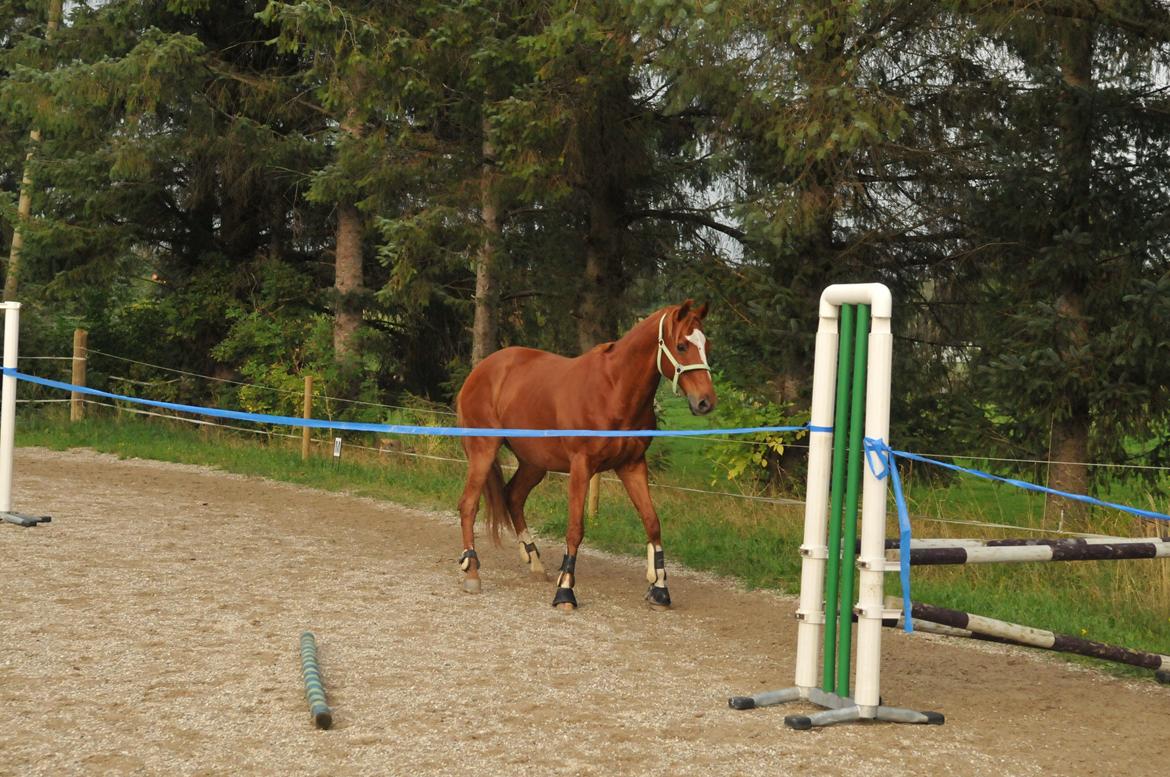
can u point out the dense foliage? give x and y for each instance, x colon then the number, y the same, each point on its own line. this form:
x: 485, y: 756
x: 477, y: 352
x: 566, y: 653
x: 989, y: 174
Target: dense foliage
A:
x: 372, y: 192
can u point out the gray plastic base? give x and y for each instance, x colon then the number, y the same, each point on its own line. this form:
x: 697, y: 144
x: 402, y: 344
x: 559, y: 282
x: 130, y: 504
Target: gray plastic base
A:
x: 838, y: 709
x: 21, y: 519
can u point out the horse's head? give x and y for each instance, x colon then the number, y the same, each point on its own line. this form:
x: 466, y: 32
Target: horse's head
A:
x: 682, y: 342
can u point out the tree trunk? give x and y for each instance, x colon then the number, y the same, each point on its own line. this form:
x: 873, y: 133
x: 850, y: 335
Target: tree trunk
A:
x: 813, y: 263
x: 23, y: 213
x: 347, y: 278
x: 806, y: 271
x: 347, y: 316
x: 1069, y: 446
x: 590, y: 328
x: 24, y: 208
x: 601, y: 288
x: 1068, y: 451
x: 602, y: 169
x: 485, y: 331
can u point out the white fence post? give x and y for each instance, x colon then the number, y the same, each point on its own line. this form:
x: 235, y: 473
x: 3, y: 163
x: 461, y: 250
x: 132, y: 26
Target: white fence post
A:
x: 8, y: 403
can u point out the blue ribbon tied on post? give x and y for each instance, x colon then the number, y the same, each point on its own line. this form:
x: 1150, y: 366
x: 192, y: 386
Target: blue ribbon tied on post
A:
x: 882, y: 463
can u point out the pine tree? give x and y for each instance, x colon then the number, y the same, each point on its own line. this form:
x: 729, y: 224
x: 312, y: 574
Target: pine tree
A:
x: 1076, y: 210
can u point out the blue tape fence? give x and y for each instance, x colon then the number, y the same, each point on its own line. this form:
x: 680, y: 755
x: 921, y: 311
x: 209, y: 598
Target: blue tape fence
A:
x: 881, y: 458
x: 434, y: 431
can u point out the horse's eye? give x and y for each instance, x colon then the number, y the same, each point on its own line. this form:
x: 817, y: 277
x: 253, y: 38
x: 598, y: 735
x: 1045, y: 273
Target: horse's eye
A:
x: 682, y: 347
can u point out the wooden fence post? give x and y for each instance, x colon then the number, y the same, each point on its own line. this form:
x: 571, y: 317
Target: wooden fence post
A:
x: 76, y: 398
x: 308, y: 414
x: 594, y: 494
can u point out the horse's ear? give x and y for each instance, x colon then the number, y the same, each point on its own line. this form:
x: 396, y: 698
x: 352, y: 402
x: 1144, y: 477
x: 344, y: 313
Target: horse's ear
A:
x: 701, y: 312
x: 683, y: 309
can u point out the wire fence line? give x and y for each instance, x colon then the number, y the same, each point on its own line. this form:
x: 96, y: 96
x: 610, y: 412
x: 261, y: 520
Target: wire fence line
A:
x: 1006, y: 460
x: 290, y: 392
x: 410, y: 454
x: 662, y: 486
x: 721, y: 440
x: 293, y: 392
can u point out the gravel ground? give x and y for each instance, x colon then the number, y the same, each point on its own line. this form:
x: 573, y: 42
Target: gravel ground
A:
x: 152, y: 628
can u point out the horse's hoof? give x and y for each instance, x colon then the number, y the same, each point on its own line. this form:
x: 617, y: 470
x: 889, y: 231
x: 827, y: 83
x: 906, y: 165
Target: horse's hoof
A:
x: 658, y: 597
x: 565, y: 600
x: 471, y: 585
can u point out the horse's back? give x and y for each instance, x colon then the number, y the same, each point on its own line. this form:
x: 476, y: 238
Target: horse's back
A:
x: 511, y: 377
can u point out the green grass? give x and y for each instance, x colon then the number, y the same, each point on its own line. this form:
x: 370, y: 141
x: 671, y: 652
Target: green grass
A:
x: 1126, y: 603
x: 688, y: 459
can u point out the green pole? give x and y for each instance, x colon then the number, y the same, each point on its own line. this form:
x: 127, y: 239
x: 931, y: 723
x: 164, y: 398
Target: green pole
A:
x: 314, y: 687
x: 833, y: 564
x: 853, y: 482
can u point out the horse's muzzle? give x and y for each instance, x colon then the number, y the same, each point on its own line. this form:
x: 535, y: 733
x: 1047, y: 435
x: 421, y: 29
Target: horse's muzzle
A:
x: 701, y: 405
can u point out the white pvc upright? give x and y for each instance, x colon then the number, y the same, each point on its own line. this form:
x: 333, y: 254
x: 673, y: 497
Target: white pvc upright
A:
x: 873, y: 516
x: 873, y: 512
x: 865, y: 703
x: 8, y: 402
x: 814, y: 549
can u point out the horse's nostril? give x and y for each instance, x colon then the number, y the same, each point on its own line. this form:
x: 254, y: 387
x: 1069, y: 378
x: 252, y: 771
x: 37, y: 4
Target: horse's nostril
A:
x: 704, y: 405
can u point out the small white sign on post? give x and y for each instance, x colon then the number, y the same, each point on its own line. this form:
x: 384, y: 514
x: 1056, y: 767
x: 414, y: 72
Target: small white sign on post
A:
x: 336, y: 451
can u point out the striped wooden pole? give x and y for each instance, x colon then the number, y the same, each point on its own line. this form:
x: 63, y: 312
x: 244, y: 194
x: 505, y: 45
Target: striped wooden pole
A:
x: 964, y: 624
x: 937, y: 552
x: 314, y: 687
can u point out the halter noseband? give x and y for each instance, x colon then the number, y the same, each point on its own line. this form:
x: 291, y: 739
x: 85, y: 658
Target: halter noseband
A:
x: 679, y: 368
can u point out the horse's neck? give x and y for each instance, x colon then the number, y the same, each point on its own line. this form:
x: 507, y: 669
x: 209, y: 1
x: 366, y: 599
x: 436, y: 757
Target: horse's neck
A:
x: 633, y: 367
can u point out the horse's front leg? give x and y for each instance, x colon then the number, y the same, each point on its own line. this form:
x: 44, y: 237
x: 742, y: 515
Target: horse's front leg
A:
x: 637, y: 482
x: 579, y: 473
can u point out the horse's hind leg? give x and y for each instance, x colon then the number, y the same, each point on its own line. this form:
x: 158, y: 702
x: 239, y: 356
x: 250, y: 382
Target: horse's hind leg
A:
x: 515, y: 494
x: 481, y: 454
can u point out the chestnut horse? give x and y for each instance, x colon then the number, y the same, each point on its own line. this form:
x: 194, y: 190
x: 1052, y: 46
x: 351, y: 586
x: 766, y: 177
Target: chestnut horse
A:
x: 611, y: 387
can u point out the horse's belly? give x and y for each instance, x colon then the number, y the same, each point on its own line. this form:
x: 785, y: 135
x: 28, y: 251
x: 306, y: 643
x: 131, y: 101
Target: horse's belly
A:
x: 557, y: 455
x: 545, y: 454
x: 620, y: 451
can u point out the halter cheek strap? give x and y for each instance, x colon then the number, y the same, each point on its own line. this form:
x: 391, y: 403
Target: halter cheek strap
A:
x: 679, y: 368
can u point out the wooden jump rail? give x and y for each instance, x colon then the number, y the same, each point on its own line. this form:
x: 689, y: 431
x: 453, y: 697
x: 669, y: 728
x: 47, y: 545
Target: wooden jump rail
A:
x: 956, y: 623
x: 959, y: 551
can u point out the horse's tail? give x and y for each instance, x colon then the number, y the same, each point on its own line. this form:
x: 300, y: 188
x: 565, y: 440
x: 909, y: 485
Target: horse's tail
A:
x: 497, y: 507
x: 493, y: 487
